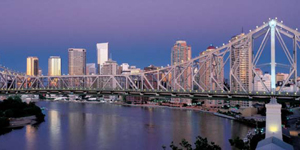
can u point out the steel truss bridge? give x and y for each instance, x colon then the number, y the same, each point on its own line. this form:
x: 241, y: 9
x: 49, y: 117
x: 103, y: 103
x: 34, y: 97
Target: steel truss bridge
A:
x: 202, y: 76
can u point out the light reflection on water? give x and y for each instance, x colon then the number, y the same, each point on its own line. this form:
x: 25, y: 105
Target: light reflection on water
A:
x: 107, y: 126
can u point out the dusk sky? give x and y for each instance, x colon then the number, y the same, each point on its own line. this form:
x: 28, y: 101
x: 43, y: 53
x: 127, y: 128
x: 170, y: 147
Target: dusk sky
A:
x: 139, y: 32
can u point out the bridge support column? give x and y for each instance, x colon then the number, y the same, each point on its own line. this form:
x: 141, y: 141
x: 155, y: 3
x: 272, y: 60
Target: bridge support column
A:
x: 273, y: 119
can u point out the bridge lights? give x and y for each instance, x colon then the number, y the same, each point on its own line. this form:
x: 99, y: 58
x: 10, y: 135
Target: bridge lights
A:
x: 272, y: 23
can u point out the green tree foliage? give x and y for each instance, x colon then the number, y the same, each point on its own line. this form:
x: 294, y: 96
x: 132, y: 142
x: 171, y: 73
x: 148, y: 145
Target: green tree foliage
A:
x: 200, y: 144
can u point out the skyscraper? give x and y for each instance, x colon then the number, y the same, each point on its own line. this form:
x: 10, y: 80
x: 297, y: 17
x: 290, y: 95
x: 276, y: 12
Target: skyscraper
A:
x: 214, y: 68
x: 180, y: 53
x: 90, y: 68
x: 110, y: 68
x: 32, y: 66
x: 77, y: 61
x: 102, y: 55
x: 241, y: 58
x: 211, y: 74
x: 54, y: 66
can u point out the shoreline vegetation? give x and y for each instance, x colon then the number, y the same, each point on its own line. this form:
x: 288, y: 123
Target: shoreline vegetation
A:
x: 200, y: 144
x: 15, y: 114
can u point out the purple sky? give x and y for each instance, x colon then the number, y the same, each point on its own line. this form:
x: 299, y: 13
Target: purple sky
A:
x: 140, y: 32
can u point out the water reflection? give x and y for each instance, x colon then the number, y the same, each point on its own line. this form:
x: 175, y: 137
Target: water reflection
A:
x: 105, y: 126
x: 55, y: 129
x: 30, y: 135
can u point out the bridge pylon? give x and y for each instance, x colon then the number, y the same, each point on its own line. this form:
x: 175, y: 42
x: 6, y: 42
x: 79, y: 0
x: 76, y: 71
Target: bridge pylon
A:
x: 273, y: 119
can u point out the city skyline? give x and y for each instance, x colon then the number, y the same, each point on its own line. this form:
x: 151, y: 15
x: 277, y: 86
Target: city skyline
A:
x: 225, y: 72
x: 146, y: 38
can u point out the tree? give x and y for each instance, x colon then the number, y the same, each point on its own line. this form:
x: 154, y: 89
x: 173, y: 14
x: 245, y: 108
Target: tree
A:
x: 200, y: 144
x: 239, y: 143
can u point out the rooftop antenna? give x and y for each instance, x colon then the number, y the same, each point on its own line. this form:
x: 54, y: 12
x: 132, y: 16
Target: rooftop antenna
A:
x: 110, y: 56
x: 242, y: 29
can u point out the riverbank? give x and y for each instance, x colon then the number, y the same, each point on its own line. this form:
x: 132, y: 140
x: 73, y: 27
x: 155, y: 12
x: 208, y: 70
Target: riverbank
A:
x: 21, y: 122
x: 16, y: 114
x: 160, y: 106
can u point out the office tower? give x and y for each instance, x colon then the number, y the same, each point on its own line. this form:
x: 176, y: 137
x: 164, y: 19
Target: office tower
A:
x: 211, y: 73
x: 54, y: 66
x: 180, y: 53
x: 110, y: 68
x: 102, y: 55
x: 90, y: 68
x: 77, y: 61
x: 32, y: 66
x: 241, y: 58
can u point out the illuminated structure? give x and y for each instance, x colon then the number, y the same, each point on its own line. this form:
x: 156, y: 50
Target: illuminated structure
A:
x: 181, y: 53
x: 180, y: 70
x: 32, y: 66
x: 241, y: 58
x: 77, y: 61
x: 206, y: 71
x: 54, y: 66
x: 102, y: 55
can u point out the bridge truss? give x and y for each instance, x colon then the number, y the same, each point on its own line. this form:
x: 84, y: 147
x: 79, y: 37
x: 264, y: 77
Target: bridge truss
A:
x: 202, y: 74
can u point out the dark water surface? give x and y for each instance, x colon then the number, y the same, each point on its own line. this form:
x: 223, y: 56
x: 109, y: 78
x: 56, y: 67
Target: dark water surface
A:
x: 84, y: 126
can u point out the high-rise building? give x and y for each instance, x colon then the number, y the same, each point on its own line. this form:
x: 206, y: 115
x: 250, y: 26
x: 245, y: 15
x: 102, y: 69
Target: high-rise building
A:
x: 54, y: 66
x: 90, y: 68
x: 241, y: 58
x: 180, y: 53
x: 77, y: 61
x: 102, y: 55
x: 211, y: 73
x: 32, y: 66
x: 110, y: 68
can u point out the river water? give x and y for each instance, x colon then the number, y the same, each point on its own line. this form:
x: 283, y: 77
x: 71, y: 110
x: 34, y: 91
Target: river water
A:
x: 91, y: 126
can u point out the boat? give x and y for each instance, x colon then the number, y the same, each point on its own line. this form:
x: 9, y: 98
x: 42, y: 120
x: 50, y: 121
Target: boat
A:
x: 92, y: 99
x: 60, y: 99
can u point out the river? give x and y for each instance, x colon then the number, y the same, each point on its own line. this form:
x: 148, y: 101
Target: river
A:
x: 91, y: 126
